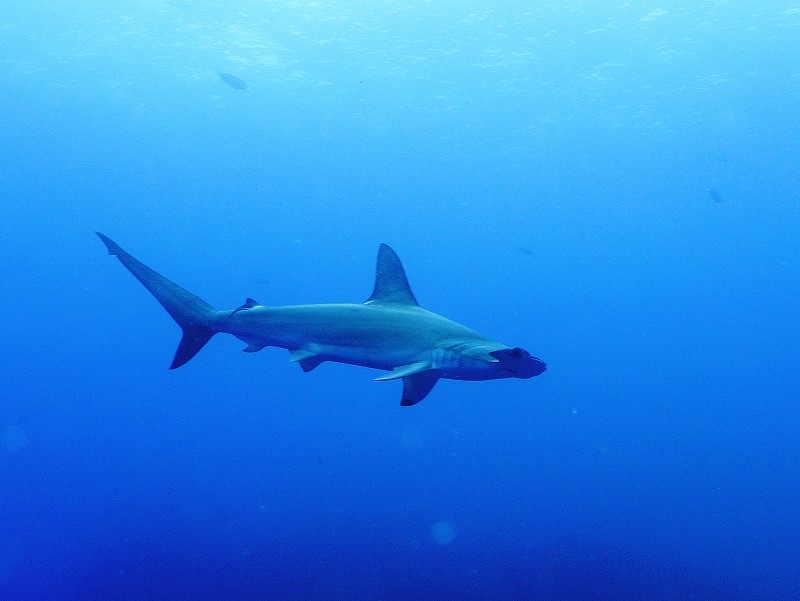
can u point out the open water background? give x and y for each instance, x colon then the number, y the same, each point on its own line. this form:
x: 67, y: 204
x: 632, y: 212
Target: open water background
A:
x: 612, y: 186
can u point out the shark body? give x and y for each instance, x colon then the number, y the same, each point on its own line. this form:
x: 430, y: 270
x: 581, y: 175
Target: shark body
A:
x: 389, y: 331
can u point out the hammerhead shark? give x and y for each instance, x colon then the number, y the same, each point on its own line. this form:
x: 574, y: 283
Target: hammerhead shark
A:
x: 389, y: 331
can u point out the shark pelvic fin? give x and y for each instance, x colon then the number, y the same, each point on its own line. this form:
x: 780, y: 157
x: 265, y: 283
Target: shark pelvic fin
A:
x: 391, y: 283
x: 306, y: 359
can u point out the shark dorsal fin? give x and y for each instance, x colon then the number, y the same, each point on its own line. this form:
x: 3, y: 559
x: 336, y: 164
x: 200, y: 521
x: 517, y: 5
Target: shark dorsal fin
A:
x: 391, y: 284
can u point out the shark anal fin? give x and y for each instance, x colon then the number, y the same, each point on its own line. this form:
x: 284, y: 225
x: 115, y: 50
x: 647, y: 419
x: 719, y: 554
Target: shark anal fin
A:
x: 403, y: 371
x: 391, y: 283
x: 416, y: 388
x: 307, y: 360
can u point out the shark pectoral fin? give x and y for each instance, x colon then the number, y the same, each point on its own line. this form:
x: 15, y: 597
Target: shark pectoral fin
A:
x: 253, y: 347
x: 403, y: 371
x: 418, y: 379
x: 416, y: 388
x: 308, y: 360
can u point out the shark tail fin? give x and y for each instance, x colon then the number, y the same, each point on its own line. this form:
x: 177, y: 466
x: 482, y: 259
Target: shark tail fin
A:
x: 195, y: 316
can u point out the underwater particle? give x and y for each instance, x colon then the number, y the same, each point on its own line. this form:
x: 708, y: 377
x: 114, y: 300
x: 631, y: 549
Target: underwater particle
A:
x: 412, y: 439
x: 13, y: 439
x: 233, y: 81
x: 443, y: 532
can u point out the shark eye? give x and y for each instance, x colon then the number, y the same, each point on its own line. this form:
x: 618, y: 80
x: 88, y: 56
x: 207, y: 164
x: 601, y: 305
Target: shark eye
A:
x: 511, y: 354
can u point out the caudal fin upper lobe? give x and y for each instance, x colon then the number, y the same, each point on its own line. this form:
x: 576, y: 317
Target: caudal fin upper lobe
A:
x: 196, y: 317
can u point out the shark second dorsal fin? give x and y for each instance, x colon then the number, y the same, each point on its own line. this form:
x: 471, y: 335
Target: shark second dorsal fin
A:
x: 248, y: 304
x: 391, y: 284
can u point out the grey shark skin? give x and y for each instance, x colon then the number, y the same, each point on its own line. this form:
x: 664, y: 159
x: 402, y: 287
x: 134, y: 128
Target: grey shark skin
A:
x: 389, y: 331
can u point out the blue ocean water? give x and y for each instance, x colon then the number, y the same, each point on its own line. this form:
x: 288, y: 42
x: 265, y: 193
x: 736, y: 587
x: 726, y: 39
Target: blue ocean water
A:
x: 612, y: 186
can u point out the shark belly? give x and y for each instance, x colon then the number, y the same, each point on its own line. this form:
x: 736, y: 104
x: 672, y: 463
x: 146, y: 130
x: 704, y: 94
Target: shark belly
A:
x: 373, y: 336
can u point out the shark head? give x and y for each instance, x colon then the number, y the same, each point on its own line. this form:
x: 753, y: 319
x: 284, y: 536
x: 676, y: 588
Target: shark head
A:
x: 485, y: 361
x: 518, y: 363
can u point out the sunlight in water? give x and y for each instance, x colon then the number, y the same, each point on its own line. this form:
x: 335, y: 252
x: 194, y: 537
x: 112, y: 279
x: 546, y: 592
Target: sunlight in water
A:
x: 443, y: 532
x: 13, y: 439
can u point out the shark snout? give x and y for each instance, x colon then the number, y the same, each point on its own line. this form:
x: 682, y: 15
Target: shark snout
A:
x: 534, y: 367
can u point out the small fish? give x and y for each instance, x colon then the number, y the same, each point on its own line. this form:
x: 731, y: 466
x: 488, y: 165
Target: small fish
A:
x: 233, y: 81
x: 716, y: 196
